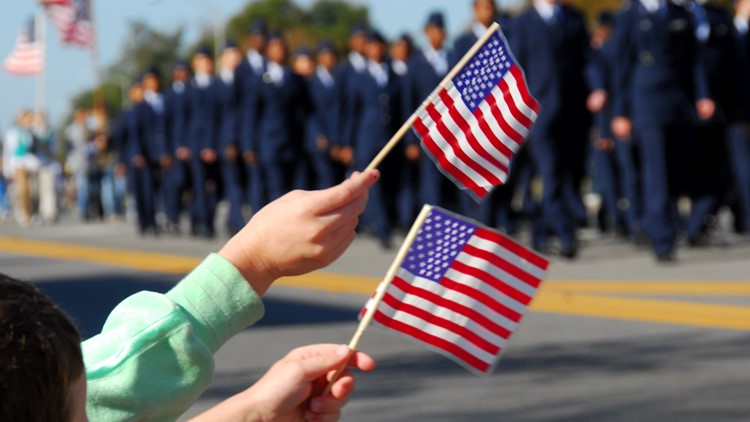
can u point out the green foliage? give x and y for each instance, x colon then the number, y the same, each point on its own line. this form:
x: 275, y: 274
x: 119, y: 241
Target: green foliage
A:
x: 323, y: 19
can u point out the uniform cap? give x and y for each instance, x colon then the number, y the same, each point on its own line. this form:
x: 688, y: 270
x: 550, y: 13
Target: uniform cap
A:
x: 358, y: 29
x: 258, y: 27
x: 326, y: 45
x: 203, y: 51
x: 436, y: 19
x: 373, y: 35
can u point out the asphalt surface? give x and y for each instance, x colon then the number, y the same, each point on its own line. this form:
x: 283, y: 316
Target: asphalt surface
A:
x: 612, y: 336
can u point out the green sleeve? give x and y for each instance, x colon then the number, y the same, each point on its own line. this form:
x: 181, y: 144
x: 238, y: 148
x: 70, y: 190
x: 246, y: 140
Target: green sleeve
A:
x: 154, y: 356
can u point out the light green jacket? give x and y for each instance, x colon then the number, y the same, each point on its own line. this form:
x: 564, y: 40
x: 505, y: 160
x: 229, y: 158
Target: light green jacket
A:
x: 154, y: 356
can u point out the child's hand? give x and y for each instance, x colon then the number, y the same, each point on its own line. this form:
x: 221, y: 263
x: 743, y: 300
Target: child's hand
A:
x: 300, y: 232
x: 291, y: 389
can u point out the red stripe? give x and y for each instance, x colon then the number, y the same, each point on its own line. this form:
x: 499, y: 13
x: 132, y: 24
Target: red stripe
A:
x: 482, y: 298
x: 491, y: 280
x: 512, y: 106
x: 453, y: 143
x: 459, y: 176
x: 466, y: 129
x: 434, y: 341
x: 525, y: 94
x: 433, y: 319
x: 504, y: 126
x: 513, y: 247
x: 456, y: 307
x: 504, y: 265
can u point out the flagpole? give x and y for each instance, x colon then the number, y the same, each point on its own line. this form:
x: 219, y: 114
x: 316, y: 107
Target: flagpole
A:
x: 452, y: 74
x: 380, y: 292
x: 94, y: 54
x: 40, y: 29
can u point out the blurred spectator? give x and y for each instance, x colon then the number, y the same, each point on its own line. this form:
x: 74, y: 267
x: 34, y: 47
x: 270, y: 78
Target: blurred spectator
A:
x: 18, y: 162
x: 106, y: 184
x: 79, y: 152
x: 45, y: 150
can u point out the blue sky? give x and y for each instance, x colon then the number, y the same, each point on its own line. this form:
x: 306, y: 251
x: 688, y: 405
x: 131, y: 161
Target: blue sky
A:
x: 69, y: 70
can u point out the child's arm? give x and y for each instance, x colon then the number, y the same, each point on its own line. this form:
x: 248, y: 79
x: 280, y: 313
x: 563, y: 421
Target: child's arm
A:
x: 154, y: 356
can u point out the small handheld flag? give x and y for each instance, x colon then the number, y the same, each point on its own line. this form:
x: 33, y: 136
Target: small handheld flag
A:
x: 26, y: 57
x: 476, y: 120
x: 462, y: 290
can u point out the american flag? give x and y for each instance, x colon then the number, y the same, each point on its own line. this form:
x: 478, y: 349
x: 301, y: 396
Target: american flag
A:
x: 473, y: 126
x: 461, y: 289
x: 27, y: 56
x: 73, y: 21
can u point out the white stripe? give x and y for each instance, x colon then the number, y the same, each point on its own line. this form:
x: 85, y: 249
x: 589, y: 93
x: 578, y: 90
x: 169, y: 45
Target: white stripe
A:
x: 447, y: 314
x: 507, y: 255
x: 475, y: 129
x: 518, y: 98
x: 446, y: 149
x: 459, y: 298
x: 439, y: 332
x: 507, y: 114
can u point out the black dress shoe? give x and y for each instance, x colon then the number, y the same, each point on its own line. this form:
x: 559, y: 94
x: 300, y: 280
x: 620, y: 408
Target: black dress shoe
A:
x: 569, y: 252
x: 666, y: 258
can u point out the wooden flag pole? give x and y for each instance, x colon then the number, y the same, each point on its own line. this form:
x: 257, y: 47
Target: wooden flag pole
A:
x: 452, y: 74
x: 380, y: 292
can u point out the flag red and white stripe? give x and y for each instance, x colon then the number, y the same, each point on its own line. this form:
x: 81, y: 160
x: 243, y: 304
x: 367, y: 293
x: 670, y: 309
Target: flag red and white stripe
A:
x: 473, y: 126
x: 462, y: 290
x: 27, y: 57
x: 73, y: 21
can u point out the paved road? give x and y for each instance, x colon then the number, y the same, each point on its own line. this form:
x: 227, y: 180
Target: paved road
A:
x: 611, y: 336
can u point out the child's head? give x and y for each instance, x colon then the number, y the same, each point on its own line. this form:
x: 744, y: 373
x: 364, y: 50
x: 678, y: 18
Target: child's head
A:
x: 41, y: 366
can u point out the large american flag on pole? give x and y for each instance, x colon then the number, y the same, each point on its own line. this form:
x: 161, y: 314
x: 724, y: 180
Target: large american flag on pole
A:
x: 461, y: 289
x: 73, y: 20
x: 474, y: 124
x: 27, y: 56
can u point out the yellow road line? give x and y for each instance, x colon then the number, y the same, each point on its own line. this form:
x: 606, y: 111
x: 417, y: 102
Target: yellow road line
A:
x: 146, y: 261
x: 561, y: 297
x: 647, y: 310
x: 655, y: 287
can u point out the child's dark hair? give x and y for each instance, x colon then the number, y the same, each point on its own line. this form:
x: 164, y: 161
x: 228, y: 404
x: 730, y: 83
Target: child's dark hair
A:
x: 40, y: 355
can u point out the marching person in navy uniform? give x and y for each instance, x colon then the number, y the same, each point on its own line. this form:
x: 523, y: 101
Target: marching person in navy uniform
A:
x: 608, y: 174
x: 154, y: 130
x: 324, y: 118
x: 659, y: 89
x: 713, y: 26
x: 551, y: 44
x: 739, y: 114
x: 428, y: 68
x: 176, y: 177
x: 355, y: 66
x: 230, y: 162
x: 372, y: 106
x: 203, y: 143
x: 275, y: 125
x: 248, y: 78
x: 141, y: 156
x: 403, y: 197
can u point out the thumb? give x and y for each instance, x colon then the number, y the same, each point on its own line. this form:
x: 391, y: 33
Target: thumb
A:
x: 318, y: 365
x: 346, y: 192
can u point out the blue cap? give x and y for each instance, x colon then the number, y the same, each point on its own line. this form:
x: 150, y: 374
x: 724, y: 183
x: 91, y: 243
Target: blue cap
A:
x: 436, y: 19
x: 373, y: 35
x: 326, y: 45
x: 258, y: 27
x: 407, y: 39
x: 136, y: 80
x: 203, y: 51
x: 276, y: 36
x: 303, y: 50
x: 152, y: 71
x: 230, y: 43
x: 358, y: 29
x: 180, y: 64
x: 606, y: 19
